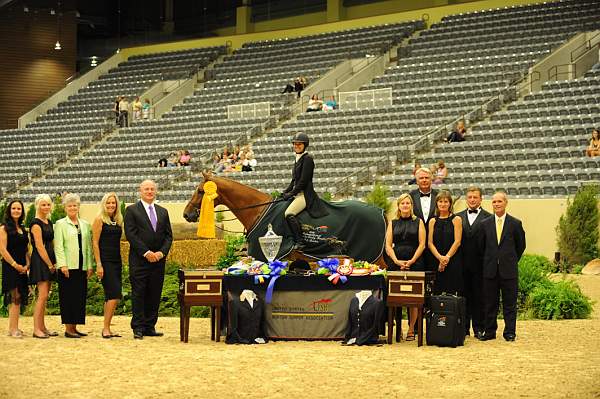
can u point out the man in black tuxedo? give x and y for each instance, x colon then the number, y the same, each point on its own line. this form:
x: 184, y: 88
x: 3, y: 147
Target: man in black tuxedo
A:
x: 503, y: 243
x: 472, y: 219
x: 424, y: 208
x: 148, y: 230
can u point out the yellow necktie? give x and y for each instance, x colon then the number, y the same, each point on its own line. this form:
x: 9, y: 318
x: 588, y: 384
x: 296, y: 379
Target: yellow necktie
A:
x: 499, y: 230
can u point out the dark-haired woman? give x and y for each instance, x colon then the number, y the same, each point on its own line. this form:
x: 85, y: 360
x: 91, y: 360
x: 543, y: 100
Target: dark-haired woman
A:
x: 445, y: 235
x: 15, y: 264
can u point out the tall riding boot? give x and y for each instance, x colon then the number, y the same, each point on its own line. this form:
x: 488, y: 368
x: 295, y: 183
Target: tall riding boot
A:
x: 294, y: 225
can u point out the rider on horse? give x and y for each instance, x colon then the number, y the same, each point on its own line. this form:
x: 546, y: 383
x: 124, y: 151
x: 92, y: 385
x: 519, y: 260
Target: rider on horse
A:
x: 301, y: 190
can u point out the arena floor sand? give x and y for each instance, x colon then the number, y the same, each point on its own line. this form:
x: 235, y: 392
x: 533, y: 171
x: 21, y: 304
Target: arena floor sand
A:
x: 550, y: 359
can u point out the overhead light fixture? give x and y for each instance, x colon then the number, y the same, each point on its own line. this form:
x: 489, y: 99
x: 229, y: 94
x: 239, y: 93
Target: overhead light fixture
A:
x: 25, y: 9
x: 57, y: 46
x: 118, y: 50
x: 94, y: 61
x: 52, y: 12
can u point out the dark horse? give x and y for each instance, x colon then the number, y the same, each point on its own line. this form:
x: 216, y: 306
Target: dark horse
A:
x: 246, y: 203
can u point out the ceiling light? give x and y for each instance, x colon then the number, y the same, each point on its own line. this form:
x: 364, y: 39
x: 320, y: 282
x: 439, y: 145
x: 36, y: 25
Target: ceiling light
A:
x: 57, y: 46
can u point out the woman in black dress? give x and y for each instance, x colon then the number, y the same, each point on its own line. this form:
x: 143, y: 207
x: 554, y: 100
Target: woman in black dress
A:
x: 42, y: 262
x: 404, y: 244
x: 107, y: 229
x: 15, y: 264
x: 445, y: 234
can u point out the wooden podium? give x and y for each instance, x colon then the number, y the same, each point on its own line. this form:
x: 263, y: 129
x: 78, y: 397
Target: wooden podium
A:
x: 410, y: 289
x: 200, y: 288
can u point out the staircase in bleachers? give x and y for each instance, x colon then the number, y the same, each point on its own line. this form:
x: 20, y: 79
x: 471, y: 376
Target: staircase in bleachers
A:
x: 74, y: 124
x: 451, y: 69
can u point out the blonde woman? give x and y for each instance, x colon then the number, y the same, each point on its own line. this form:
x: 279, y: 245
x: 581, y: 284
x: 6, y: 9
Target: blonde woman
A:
x: 405, y: 241
x: 445, y: 235
x: 42, y: 267
x: 106, y: 231
x: 74, y: 259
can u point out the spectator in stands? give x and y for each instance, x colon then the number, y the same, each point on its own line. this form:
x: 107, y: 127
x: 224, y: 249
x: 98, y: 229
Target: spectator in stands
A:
x: 15, y: 264
x: 299, y: 84
x: 162, y: 163
x: 216, y: 160
x: 146, y: 109
x: 75, y: 261
x: 289, y: 88
x: 224, y: 161
x: 441, y: 173
x: 314, y: 104
x: 249, y: 163
x: 116, y: 109
x: 593, y: 149
x: 330, y: 104
x: 458, y: 134
x: 123, y: 112
x: 137, y: 109
x: 106, y: 232
x: 414, y: 173
x: 43, y: 262
x: 185, y: 158
x: 173, y: 159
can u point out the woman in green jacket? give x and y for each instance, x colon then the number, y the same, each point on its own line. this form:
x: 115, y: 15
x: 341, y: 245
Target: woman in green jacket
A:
x: 75, y: 263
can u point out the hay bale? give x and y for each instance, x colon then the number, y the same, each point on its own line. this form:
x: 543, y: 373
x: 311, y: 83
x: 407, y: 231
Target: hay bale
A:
x: 189, y: 253
x: 592, y: 267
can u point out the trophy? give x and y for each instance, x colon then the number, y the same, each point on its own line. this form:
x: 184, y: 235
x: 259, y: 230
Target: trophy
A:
x: 270, y: 243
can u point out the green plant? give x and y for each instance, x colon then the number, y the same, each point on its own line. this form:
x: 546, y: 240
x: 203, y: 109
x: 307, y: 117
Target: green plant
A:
x: 576, y: 269
x: 532, y: 272
x: 123, y: 207
x: 219, y: 217
x: 327, y: 196
x: 233, y: 245
x: 58, y: 209
x: 559, y: 300
x: 275, y: 194
x: 29, y: 215
x: 577, y: 230
x: 3, y: 206
x: 379, y: 197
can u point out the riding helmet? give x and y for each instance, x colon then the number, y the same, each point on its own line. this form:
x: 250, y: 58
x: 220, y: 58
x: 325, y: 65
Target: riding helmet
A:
x: 301, y: 138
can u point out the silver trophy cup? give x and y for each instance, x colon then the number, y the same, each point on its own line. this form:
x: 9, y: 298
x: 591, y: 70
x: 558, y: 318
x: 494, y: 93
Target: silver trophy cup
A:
x: 270, y: 244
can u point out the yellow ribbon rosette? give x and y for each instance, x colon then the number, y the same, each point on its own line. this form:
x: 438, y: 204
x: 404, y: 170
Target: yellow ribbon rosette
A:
x: 206, y: 222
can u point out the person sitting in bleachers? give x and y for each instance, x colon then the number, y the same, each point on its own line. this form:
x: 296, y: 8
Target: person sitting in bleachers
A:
x: 289, y: 88
x: 314, y: 104
x: 440, y: 172
x: 185, y: 158
x: 414, y: 173
x: 458, y: 134
x: 146, y: 109
x: 330, y: 104
x: 162, y: 163
x: 593, y: 149
x: 224, y: 161
x: 299, y: 84
x: 173, y: 159
x: 137, y: 109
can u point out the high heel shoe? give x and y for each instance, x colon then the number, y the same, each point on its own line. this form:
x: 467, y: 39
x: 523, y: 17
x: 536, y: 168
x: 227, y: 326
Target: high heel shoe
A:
x: 51, y: 333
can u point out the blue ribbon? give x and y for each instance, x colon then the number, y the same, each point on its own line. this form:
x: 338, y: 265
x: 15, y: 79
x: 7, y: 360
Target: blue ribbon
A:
x: 330, y: 265
x: 277, y: 270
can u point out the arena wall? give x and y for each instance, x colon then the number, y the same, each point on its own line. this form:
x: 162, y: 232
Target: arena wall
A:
x: 539, y: 216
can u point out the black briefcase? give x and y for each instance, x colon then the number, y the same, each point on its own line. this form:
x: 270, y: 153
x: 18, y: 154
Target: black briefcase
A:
x: 446, y: 321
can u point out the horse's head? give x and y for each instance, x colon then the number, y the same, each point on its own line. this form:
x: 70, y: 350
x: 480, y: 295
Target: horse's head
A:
x: 192, y: 209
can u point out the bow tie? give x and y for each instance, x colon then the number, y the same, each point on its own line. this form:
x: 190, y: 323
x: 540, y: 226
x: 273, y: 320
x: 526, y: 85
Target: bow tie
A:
x: 473, y: 210
x: 424, y: 195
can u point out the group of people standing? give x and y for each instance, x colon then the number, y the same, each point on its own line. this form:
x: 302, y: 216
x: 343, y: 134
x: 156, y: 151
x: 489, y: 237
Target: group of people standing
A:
x: 122, y: 106
x: 68, y: 252
x: 474, y: 253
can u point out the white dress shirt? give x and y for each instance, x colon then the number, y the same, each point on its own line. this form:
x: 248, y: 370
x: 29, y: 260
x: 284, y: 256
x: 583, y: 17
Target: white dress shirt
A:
x: 472, y: 216
x: 425, y: 205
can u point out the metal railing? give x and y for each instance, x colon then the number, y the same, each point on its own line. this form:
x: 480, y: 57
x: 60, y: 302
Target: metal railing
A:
x: 364, y: 99
x: 365, y: 62
x: 589, y: 44
x: 249, y: 110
